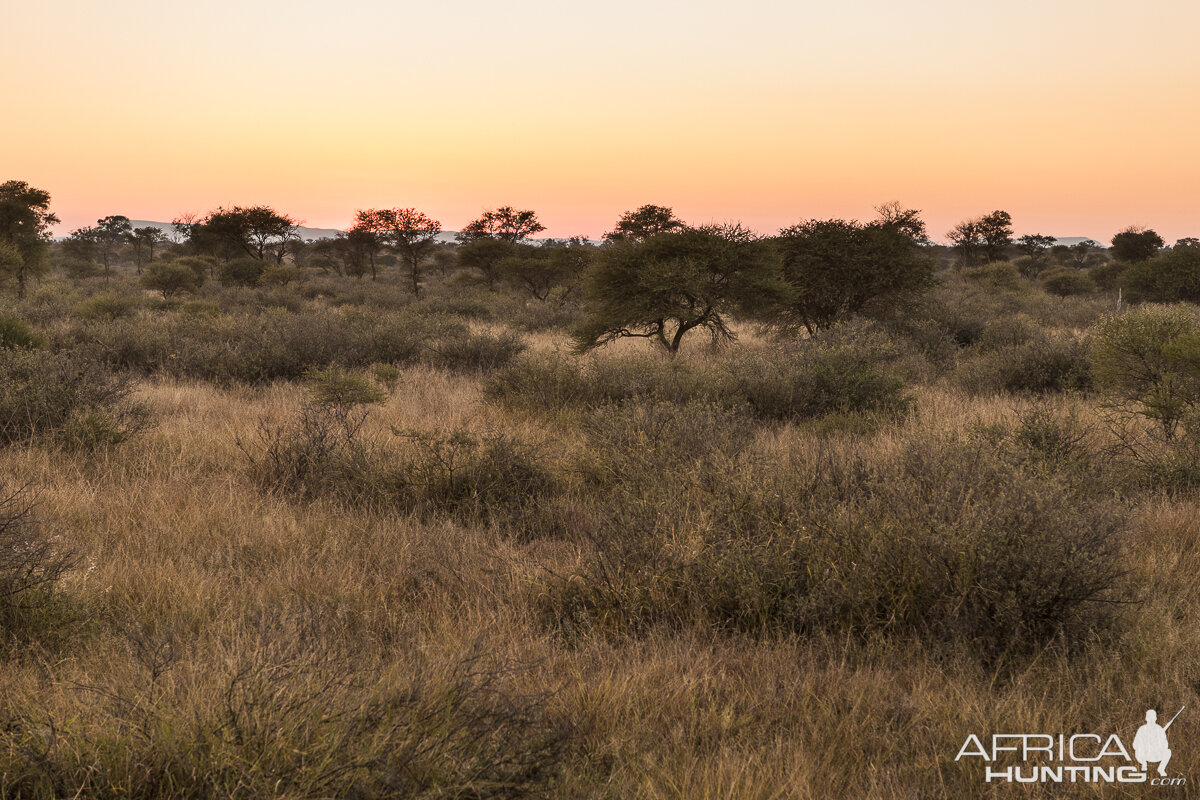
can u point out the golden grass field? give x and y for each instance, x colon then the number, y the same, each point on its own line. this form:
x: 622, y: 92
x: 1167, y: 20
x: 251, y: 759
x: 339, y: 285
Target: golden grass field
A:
x: 218, y: 639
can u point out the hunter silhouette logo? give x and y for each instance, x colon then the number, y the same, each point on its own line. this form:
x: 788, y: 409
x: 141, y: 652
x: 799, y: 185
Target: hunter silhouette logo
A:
x: 1076, y: 758
x: 1150, y: 743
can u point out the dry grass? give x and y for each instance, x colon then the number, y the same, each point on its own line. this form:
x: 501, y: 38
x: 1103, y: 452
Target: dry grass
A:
x: 400, y: 642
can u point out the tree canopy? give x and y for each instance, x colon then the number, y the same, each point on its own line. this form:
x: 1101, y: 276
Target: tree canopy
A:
x: 1136, y: 244
x: 505, y: 223
x: 675, y: 282
x: 834, y: 267
x: 640, y: 225
x: 25, y: 222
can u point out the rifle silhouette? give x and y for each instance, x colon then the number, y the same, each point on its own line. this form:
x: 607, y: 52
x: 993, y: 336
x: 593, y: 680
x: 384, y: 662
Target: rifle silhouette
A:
x: 1177, y: 713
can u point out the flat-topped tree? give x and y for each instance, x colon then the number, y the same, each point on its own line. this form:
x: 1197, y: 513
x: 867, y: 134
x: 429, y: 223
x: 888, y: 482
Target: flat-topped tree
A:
x: 643, y: 223
x: 505, y: 223
x: 412, y: 233
x: 25, y: 222
x: 254, y: 231
x: 673, y: 283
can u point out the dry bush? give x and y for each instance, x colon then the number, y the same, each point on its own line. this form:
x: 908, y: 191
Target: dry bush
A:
x: 950, y: 539
x: 279, y: 344
x: 66, y: 398
x: 32, y: 562
x: 847, y: 370
x: 281, y: 714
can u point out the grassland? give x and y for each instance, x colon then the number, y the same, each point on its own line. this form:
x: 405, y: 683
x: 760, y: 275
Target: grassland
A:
x: 776, y: 570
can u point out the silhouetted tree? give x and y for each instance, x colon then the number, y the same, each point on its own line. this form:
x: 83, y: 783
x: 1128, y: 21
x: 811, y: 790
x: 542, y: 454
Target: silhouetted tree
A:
x: 368, y: 232
x: 967, y: 238
x: 640, y: 225
x: 905, y: 220
x: 833, y: 268
x: 505, y: 223
x: 1136, y: 244
x: 254, y: 231
x: 996, y: 230
x: 1035, y: 245
x: 412, y: 233
x: 25, y: 222
x: 673, y: 283
x: 143, y: 241
x: 541, y: 270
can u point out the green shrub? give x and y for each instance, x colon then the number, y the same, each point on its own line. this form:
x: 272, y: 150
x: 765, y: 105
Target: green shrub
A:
x: 1046, y: 363
x: 15, y: 332
x: 107, y: 305
x: 1108, y: 275
x: 997, y: 274
x: 847, y: 370
x: 1065, y: 281
x: 277, y: 344
x: 171, y: 278
x: 1168, y: 278
x: 1147, y: 362
x: 334, y: 386
x: 241, y: 272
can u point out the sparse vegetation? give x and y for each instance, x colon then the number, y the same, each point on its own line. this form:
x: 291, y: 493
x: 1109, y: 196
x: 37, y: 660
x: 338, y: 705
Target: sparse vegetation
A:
x: 377, y: 544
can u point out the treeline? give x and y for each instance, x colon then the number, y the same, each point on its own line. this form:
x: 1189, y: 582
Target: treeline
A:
x: 653, y: 276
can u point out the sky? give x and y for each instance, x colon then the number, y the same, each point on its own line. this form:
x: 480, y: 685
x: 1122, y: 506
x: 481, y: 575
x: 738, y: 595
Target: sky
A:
x: 1079, y: 118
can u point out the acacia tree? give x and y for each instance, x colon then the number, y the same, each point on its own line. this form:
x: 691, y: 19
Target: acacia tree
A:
x: 1136, y: 244
x: 253, y: 230
x: 675, y: 282
x: 110, y: 234
x: 833, y: 268
x: 966, y: 238
x: 143, y: 241
x: 25, y: 222
x: 541, y: 270
x: 505, y: 223
x: 640, y: 225
x: 368, y: 231
x: 411, y: 232
x: 996, y: 230
x: 905, y: 220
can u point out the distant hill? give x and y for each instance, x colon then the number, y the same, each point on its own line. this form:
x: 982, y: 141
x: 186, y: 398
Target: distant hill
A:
x: 1070, y: 240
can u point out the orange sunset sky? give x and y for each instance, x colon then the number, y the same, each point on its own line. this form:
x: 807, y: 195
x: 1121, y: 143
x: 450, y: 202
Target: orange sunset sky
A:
x: 1079, y: 118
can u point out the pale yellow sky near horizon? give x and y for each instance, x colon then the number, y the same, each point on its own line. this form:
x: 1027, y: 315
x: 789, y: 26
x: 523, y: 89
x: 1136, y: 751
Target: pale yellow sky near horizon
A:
x: 1077, y: 117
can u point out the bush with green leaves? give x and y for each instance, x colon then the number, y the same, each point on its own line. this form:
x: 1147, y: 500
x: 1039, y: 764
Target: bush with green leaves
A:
x: 1171, y: 277
x: 1065, y: 281
x: 16, y: 332
x: 1146, y: 361
x: 64, y: 397
x: 1044, y: 363
x: 171, y: 278
x: 833, y: 268
x: 108, y: 305
x: 242, y: 272
x: 673, y: 283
